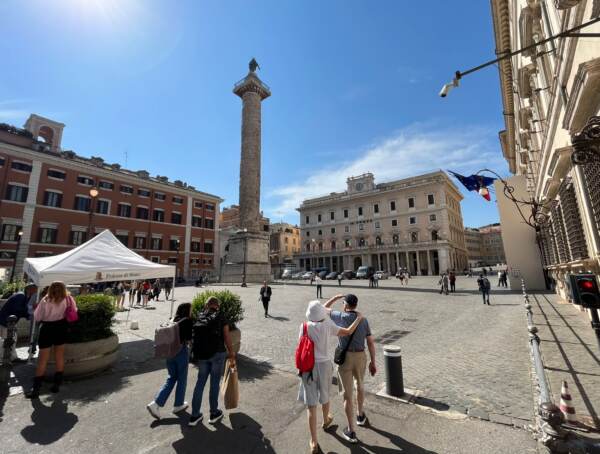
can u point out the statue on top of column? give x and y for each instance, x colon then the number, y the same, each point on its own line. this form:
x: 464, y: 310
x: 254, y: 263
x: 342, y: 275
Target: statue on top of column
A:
x: 253, y: 65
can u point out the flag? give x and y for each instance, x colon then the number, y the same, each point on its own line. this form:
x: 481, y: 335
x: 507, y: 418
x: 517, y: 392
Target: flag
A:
x: 475, y: 183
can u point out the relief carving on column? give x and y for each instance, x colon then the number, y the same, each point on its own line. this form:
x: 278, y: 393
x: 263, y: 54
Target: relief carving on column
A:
x: 565, y: 4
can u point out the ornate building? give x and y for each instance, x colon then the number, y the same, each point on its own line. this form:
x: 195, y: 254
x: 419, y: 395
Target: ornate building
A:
x: 414, y: 223
x: 484, y: 245
x: 284, y: 243
x: 550, y: 93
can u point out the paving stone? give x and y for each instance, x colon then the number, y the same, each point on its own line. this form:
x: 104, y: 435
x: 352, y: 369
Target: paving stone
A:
x: 501, y: 419
x: 479, y: 413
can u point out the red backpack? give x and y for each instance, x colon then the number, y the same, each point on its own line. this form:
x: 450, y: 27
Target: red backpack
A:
x: 305, y: 353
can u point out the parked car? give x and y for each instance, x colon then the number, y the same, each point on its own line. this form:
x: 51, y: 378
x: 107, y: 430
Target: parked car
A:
x: 382, y: 274
x: 323, y: 274
x: 364, y: 272
x: 332, y: 275
x: 349, y: 274
x: 297, y: 276
x: 308, y: 275
x: 287, y: 274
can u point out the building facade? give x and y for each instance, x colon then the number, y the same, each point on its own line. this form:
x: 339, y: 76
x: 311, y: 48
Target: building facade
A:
x: 551, y: 97
x: 484, y: 246
x: 230, y: 217
x: 414, y: 223
x: 54, y: 200
x: 284, y: 243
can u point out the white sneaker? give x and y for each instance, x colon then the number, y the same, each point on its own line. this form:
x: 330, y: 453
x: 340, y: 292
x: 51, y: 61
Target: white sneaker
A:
x: 180, y: 408
x: 153, y: 409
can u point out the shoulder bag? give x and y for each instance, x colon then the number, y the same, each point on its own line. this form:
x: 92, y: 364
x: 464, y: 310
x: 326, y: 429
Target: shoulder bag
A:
x: 71, y: 311
x: 340, y: 353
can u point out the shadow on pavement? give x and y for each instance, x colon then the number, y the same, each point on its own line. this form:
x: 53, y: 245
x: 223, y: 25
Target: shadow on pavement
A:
x: 279, y: 318
x: 250, y: 370
x: 49, y: 423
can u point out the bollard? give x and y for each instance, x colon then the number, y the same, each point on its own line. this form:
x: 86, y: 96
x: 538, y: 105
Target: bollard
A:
x: 9, y: 341
x: 394, y: 382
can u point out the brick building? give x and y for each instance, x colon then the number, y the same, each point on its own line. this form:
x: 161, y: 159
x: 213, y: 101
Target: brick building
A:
x: 54, y: 200
x: 484, y: 245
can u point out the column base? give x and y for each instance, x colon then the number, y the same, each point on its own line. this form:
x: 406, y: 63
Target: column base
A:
x: 248, y: 254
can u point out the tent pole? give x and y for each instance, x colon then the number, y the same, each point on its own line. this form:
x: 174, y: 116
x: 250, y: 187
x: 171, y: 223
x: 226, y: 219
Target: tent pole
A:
x: 172, y: 297
x: 32, y: 330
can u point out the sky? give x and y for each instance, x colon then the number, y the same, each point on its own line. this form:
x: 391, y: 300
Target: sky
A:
x: 148, y: 84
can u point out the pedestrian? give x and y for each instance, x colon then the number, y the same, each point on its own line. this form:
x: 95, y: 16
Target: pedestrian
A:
x: 177, y: 366
x: 312, y: 278
x: 156, y: 289
x: 319, y: 282
x: 132, y: 289
x: 20, y: 304
x: 504, y: 279
x: 51, y: 312
x: 499, y: 278
x: 484, y: 271
x: 145, y: 293
x: 352, y: 371
x: 443, y: 282
x: 168, y: 287
x: 339, y: 279
x: 375, y: 280
x: 265, y: 297
x: 371, y: 281
x: 484, y: 288
x: 120, y: 291
x: 315, y: 385
x: 452, y: 279
x: 211, y: 345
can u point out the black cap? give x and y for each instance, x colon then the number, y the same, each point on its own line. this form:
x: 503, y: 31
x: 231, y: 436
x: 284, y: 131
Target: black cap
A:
x: 351, y: 300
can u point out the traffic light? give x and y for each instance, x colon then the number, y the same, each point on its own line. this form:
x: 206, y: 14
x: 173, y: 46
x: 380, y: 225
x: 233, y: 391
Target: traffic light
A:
x: 585, y: 290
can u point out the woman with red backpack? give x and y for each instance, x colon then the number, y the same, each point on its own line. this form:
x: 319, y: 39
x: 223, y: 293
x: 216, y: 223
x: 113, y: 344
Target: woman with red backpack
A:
x: 313, y: 350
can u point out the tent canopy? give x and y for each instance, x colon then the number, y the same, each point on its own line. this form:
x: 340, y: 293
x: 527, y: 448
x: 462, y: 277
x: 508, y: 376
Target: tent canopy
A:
x: 103, y: 258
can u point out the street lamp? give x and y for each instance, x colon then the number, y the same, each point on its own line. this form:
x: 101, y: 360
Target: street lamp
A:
x: 93, y: 194
x: 177, y: 242
x: 245, y: 252
x: 19, y: 236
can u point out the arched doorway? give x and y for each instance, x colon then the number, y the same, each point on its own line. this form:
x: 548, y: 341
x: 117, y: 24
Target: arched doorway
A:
x: 357, y: 263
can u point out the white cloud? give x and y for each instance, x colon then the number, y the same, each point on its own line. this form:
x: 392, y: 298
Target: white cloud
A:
x: 410, y: 151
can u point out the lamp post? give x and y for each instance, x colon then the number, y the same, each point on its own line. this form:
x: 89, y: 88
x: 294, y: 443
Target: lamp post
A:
x: 19, y: 236
x: 177, y: 243
x: 93, y: 194
x: 245, y: 253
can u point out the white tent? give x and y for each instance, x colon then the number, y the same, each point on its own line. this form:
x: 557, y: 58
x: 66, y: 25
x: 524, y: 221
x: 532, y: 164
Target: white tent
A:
x: 103, y: 258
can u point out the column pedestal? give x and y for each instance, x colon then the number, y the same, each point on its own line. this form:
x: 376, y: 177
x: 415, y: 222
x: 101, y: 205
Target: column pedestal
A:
x: 253, y: 249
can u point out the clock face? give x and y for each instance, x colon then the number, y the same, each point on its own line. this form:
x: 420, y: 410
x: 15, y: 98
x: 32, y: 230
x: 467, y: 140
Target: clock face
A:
x: 359, y: 186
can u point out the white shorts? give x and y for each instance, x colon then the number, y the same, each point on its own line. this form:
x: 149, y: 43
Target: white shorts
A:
x: 315, y: 390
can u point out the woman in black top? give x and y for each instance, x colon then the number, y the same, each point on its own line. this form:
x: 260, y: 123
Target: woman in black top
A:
x: 176, y: 366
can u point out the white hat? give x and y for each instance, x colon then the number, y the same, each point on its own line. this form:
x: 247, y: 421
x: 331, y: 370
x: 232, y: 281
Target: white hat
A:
x: 315, y: 312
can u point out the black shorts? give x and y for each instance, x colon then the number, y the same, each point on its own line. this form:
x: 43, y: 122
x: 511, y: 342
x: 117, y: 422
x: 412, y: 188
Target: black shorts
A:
x: 53, y: 333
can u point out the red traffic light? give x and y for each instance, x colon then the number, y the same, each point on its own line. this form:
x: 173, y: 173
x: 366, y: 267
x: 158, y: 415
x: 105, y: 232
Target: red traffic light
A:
x: 586, y: 285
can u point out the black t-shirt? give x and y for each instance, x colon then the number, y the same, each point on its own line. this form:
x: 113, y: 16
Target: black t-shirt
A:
x: 185, y: 329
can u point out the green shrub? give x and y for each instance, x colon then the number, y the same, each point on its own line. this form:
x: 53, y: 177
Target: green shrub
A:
x: 8, y: 288
x: 231, y: 304
x: 96, y: 312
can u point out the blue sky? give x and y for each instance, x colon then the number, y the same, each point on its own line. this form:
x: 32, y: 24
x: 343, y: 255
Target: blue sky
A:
x: 147, y: 84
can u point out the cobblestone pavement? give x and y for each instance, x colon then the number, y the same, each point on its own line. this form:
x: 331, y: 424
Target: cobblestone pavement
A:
x: 460, y: 354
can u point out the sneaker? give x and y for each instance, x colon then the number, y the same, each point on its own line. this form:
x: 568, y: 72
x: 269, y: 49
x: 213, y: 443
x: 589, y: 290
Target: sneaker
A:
x: 194, y: 420
x: 361, y: 420
x: 215, y: 417
x: 327, y: 423
x: 349, y: 435
x: 179, y: 408
x: 154, y: 409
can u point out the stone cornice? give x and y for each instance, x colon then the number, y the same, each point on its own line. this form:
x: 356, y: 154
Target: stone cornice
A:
x: 585, y: 96
x: 251, y: 83
x: 565, y: 4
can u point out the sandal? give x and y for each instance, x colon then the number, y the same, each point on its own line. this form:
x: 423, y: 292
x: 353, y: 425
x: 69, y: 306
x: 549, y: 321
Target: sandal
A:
x: 327, y: 423
x: 314, y: 449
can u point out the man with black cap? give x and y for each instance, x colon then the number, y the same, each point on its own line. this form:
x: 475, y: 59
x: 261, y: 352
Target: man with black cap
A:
x: 354, y: 366
x: 19, y: 304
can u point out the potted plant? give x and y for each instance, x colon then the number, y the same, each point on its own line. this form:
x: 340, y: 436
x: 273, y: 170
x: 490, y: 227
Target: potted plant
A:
x: 230, y: 307
x: 92, y: 346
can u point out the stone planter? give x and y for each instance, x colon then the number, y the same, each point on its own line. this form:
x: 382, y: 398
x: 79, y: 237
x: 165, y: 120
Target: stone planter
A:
x: 236, y: 339
x: 88, y: 358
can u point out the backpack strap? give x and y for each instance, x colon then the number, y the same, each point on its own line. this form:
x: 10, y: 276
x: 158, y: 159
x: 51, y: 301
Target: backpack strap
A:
x: 304, y: 329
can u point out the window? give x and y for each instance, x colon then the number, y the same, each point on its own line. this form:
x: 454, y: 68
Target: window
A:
x: 175, y: 218
x: 124, y: 210
x: 106, y: 185
x: 154, y: 259
x: 209, y: 206
x: 7, y: 255
x: 346, y: 243
x: 173, y: 245
x: 197, y: 204
x: 86, y: 181
x: 144, y: 192
x: 308, y: 247
x: 52, y: 199
x: 394, y: 222
x: 172, y: 260
x: 142, y: 213
x: 140, y: 242
x: 376, y: 208
x: 434, y: 235
x: 396, y: 239
x: 412, y: 220
x: 361, y: 226
x: 126, y: 189
x: 1, y: 162
x: 123, y: 238
x: 16, y: 193
x: 177, y: 200
x: 362, y: 242
x: 10, y: 232
x: 345, y: 213
x: 360, y: 211
x: 320, y: 232
x: 320, y: 246
x: 411, y: 202
x: 414, y: 236
x: 378, y: 241
x: 102, y: 206
x: 346, y: 229
x: 157, y: 244
x: 82, y: 203
x: 307, y: 219
x: 377, y: 225
x: 209, y: 224
x: 56, y: 174
x: 393, y: 205
x: 159, y: 216
x: 77, y: 237
x: 307, y: 233
x: 318, y: 218
x: 332, y: 230
x: 196, y: 221
x: 21, y: 166
x: 430, y: 199
x: 208, y: 248
x: 48, y: 235
x: 432, y: 218
x: 159, y: 196
x: 195, y: 246
x: 332, y: 215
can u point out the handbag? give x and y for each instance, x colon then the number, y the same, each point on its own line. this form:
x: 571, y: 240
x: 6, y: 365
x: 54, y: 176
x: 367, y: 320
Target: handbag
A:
x: 340, y: 353
x: 71, y: 311
x: 230, y: 387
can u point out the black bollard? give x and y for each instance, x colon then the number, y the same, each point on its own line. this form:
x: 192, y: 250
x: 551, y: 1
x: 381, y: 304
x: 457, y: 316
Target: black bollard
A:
x: 394, y: 381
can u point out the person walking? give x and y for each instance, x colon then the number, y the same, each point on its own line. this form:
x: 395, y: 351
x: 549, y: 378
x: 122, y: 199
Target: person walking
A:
x: 177, y: 367
x: 145, y: 293
x: 51, y: 313
x: 168, y: 287
x: 156, y: 289
x: 315, y: 385
x: 443, y: 284
x: 211, y: 345
x: 20, y: 304
x: 265, y: 297
x: 132, y: 290
x: 504, y: 279
x: 339, y: 279
x: 375, y: 280
x: 484, y: 288
x: 319, y: 282
x: 452, y: 279
x: 352, y: 370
